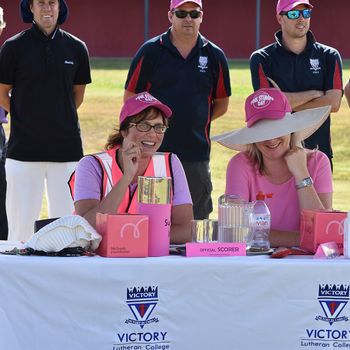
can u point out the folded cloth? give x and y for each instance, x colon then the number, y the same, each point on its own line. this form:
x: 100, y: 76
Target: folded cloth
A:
x: 66, y: 232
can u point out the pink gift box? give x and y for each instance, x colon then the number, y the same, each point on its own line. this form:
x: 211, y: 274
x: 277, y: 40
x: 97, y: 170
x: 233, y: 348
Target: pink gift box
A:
x: 321, y: 226
x: 123, y: 235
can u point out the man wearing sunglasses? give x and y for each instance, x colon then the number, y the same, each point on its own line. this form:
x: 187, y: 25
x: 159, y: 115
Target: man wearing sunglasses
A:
x: 309, y: 72
x: 190, y: 74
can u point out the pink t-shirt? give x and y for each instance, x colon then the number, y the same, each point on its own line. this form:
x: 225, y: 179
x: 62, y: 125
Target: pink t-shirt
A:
x: 244, y: 179
x: 88, y: 178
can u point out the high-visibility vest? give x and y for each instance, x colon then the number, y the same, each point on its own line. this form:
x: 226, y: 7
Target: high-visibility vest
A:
x: 159, y: 166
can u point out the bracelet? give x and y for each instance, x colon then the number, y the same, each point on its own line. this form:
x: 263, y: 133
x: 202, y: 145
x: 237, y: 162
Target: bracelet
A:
x: 304, y: 183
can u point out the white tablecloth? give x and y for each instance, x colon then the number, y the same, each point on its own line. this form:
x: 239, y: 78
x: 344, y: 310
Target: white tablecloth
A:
x: 233, y: 303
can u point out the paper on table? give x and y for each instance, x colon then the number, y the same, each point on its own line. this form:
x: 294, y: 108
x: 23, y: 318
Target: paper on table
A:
x: 9, y: 245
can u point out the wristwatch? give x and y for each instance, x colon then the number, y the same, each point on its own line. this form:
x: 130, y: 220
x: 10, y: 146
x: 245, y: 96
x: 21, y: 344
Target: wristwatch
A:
x: 304, y: 183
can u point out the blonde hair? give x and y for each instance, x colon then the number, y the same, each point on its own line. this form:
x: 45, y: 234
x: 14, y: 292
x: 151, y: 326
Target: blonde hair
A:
x: 256, y: 156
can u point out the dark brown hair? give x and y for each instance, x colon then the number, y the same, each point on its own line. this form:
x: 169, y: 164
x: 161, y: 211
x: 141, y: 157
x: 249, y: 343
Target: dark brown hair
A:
x: 116, y: 137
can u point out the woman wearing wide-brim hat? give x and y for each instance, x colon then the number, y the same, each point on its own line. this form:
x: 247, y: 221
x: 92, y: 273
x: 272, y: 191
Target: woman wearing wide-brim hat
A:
x: 272, y: 160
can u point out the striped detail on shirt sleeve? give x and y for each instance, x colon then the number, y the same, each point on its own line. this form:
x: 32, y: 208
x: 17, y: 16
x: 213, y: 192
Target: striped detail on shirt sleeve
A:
x: 263, y: 82
x: 220, y: 88
x: 135, y: 77
x: 337, y: 79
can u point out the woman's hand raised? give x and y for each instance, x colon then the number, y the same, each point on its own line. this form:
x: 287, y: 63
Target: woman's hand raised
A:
x: 131, y: 154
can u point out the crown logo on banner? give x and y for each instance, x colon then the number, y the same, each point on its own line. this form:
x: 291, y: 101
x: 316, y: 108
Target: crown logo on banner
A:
x: 141, y: 302
x: 333, y: 299
x: 333, y: 290
x: 142, y: 293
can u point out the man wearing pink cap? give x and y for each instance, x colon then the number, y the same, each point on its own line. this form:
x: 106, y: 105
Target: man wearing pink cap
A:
x: 308, y: 72
x: 190, y: 74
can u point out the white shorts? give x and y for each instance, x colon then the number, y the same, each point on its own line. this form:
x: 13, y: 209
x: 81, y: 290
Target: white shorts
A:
x: 25, y: 187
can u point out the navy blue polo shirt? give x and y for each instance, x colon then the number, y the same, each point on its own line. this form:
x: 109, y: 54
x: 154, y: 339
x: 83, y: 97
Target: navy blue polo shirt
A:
x: 43, y: 70
x: 188, y: 86
x: 318, y: 67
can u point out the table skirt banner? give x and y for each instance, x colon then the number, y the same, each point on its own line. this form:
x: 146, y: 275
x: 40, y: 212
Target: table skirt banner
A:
x: 177, y: 303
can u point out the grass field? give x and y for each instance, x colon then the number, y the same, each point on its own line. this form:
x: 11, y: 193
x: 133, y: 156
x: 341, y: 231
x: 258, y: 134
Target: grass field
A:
x: 103, y: 99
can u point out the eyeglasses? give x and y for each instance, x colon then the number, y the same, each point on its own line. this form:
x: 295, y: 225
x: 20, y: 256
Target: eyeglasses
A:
x: 295, y: 14
x: 183, y: 14
x: 144, y: 127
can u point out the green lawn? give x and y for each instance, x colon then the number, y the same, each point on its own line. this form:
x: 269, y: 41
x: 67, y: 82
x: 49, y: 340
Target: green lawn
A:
x: 99, y: 114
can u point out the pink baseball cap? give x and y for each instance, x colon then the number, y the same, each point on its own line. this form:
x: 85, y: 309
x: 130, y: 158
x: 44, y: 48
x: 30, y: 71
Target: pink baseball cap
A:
x: 176, y: 3
x: 266, y: 104
x: 137, y: 103
x: 269, y: 115
x: 286, y: 5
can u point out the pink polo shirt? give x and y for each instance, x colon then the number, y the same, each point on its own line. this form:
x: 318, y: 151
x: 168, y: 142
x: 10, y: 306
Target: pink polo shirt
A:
x: 244, y: 179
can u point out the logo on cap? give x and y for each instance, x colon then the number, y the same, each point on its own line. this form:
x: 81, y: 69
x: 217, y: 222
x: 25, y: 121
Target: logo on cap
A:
x: 146, y: 98
x: 262, y: 100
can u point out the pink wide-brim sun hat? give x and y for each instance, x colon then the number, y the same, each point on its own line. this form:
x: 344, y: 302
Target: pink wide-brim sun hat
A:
x: 268, y: 116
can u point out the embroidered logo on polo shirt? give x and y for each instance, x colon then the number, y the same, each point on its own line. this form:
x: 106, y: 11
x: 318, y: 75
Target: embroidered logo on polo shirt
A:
x: 315, y: 65
x: 203, y: 63
x: 68, y: 62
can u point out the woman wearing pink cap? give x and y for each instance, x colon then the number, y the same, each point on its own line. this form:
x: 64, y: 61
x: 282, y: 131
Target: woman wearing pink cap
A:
x: 272, y: 160
x: 107, y: 182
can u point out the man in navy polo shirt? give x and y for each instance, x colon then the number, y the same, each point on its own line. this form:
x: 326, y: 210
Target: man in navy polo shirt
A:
x: 308, y: 72
x: 46, y: 69
x: 190, y: 74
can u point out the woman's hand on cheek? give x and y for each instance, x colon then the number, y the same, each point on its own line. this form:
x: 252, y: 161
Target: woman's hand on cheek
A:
x: 296, y: 160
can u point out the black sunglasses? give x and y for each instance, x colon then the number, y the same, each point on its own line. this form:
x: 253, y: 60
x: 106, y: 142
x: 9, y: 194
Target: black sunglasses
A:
x: 295, y: 14
x: 145, y: 127
x: 183, y: 14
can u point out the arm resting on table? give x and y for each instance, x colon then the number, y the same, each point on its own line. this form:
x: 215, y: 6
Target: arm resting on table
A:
x: 88, y: 208
x: 181, y: 216
x: 284, y: 238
